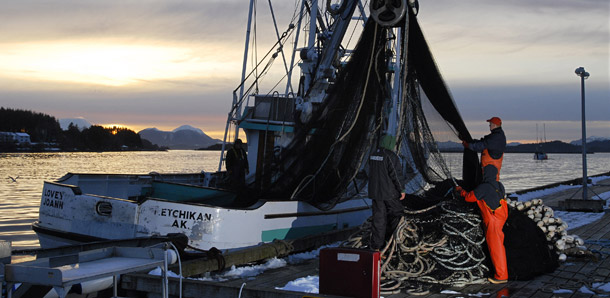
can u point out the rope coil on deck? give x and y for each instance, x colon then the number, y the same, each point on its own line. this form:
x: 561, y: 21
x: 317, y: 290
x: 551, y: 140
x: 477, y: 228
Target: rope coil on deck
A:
x: 441, y: 245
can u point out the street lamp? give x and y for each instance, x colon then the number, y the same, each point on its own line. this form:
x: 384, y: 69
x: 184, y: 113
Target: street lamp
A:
x: 583, y: 76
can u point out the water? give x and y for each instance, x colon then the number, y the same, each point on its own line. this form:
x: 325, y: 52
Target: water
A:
x: 19, y: 201
x: 520, y: 171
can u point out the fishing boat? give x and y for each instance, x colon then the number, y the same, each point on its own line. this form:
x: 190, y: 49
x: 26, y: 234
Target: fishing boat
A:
x: 540, y: 154
x: 308, y: 137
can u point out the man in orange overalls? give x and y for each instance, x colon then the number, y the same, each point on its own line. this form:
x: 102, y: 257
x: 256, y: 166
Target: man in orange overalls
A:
x: 489, y: 196
x: 491, y: 146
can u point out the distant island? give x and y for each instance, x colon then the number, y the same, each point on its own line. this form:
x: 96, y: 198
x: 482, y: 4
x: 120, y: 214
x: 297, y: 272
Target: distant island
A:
x: 597, y: 145
x: 28, y: 131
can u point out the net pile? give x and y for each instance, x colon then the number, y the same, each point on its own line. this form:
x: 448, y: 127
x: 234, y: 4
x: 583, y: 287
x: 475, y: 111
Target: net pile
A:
x: 441, y: 245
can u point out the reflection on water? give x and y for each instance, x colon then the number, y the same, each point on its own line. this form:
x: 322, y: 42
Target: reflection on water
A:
x: 20, y: 199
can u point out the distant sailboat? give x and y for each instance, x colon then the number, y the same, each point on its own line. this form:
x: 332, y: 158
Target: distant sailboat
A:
x: 539, y: 154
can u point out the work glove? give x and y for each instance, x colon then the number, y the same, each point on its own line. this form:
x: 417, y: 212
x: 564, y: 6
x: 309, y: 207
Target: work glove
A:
x: 460, y: 192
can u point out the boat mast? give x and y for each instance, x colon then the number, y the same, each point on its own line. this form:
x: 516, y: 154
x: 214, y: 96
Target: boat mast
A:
x: 294, y: 49
x: 241, y: 90
x: 279, y: 38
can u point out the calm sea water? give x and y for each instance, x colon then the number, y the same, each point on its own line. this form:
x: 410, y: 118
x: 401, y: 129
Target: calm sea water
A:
x: 19, y: 199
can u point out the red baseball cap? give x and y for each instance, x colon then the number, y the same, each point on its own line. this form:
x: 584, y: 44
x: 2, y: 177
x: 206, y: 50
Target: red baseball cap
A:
x: 495, y: 120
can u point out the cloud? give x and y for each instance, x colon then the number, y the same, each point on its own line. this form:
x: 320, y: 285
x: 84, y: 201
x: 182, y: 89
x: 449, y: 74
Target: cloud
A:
x: 516, y: 57
x: 532, y: 102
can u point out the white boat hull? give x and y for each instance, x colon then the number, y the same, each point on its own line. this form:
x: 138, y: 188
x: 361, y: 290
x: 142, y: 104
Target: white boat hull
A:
x: 69, y: 214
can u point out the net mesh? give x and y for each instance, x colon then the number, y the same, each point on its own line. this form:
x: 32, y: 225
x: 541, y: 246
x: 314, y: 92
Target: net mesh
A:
x: 325, y: 162
x: 440, y: 240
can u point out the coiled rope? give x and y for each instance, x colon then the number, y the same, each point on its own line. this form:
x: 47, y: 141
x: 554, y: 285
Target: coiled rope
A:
x: 438, y: 245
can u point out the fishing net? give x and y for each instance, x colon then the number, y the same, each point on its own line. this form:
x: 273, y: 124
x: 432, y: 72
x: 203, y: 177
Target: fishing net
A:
x: 325, y: 162
x: 436, y: 245
x: 440, y: 239
x: 328, y: 151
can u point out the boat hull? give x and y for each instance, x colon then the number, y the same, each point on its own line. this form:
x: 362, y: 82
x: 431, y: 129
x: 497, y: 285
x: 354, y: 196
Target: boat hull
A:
x: 69, y: 214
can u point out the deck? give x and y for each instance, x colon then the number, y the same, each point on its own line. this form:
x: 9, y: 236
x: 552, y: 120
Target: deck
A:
x: 570, y: 277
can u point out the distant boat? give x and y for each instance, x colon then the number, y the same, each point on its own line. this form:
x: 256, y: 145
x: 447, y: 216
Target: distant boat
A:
x: 540, y: 154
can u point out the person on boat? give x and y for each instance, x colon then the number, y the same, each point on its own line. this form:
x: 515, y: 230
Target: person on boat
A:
x: 491, y: 146
x: 386, y: 189
x: 237, y: 165
x: 489, y: 196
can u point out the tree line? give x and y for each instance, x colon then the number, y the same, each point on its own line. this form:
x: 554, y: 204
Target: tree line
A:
x: 45, y: 132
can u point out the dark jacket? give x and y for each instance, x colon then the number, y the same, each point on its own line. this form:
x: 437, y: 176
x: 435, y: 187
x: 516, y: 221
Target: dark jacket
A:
x: 237, y: 161
x: 490, y: 190
x: 495, y: 143
x: 386, y: 179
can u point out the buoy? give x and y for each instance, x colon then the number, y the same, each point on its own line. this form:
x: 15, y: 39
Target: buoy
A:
x: 560, y: 244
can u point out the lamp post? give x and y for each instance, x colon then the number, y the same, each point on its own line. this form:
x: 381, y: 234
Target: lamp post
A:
x: 583, y: 76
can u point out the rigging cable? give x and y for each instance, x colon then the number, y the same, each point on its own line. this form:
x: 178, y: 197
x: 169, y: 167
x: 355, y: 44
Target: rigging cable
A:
x: 298, y: 189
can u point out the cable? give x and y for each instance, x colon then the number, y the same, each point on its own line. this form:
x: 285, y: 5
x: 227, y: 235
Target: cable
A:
x: 179, y: 268
x: 240, y: 289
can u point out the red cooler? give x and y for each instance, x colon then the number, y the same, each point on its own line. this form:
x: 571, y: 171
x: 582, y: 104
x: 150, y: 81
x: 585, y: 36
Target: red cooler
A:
x: 349, y: 272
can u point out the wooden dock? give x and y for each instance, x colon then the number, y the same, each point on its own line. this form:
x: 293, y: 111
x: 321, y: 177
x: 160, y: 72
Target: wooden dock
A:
x: 566, y: 281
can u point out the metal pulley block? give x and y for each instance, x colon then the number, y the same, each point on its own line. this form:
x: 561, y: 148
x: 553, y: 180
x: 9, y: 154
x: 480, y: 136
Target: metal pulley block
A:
x: 389, y: 13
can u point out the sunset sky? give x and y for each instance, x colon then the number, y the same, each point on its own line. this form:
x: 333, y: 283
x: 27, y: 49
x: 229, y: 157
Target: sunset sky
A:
x: 164, y: 64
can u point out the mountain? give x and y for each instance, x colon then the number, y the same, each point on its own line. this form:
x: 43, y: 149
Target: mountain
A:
x: 188, y: 127
x: 595, y: 144
x: 589, y: 140
x: 548, y: 147
x: 81, y: 123
x: 599, y: 146
x: 183, y: 137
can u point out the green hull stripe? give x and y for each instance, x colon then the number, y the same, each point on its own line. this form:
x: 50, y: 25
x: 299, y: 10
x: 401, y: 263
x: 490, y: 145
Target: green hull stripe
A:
x: 293, y: 233
x: 266, y: 127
